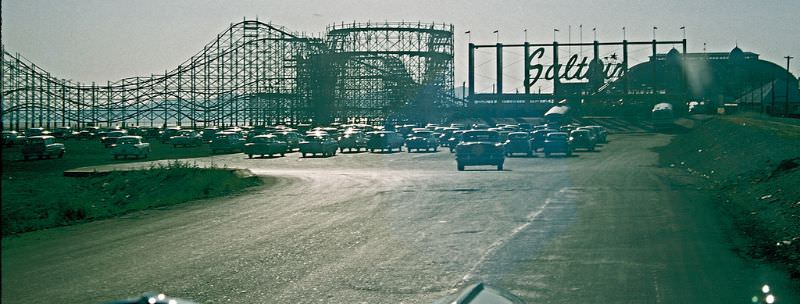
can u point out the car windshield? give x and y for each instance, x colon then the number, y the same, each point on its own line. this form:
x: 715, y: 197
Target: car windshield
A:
x: 557, y: 136
x: 518, y: 136
x: 489, y: 136
x: 127, y: 141
x: 423, y: 133
x: 264, y: 140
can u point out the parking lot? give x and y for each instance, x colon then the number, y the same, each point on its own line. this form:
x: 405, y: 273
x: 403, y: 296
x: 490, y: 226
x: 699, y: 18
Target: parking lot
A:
x: 603, y: 226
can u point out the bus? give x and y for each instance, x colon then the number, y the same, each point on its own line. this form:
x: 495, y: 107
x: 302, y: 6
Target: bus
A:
x: 557, y: 115
x: 663, y: 116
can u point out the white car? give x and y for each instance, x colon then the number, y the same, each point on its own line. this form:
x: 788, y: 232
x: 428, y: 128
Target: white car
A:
x: 130, y: 145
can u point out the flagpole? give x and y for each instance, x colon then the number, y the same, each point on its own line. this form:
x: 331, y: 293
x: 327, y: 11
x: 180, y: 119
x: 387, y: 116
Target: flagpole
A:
x: 581, y: 38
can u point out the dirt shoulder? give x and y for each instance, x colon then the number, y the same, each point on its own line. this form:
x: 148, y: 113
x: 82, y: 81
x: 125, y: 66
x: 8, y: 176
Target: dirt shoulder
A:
x: 752, y: 164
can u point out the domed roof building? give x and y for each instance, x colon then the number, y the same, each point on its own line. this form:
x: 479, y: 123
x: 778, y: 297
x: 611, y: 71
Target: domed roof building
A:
x: 719, y: 77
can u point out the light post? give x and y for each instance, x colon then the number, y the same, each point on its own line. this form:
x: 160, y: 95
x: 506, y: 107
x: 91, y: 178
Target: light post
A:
x: 555, y: 30
x: 623, y: 34
x: 654, y: 32
x: 788, y: 75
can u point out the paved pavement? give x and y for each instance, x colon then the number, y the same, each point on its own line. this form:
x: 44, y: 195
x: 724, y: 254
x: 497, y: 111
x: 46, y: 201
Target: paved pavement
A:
x: 601, y: 227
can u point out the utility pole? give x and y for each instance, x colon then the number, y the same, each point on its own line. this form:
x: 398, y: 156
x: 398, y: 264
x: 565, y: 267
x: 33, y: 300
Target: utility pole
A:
x: 788, y: 75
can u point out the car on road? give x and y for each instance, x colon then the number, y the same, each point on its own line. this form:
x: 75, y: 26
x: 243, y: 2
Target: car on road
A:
x: 519, y: 142
x: 12, y: 138
x: 227, y: 142
x: 352, y: 139
x: 44, y: 146
x: 583, y: 139
x: 130, y: 145
x: 318, y: 143
x: 557, y: 142
x: 384, y: 140
x: 186, y: 138
x: 422, y: 140
x: 480, y: 147
x: 265, y: 145
x: 111, y: 137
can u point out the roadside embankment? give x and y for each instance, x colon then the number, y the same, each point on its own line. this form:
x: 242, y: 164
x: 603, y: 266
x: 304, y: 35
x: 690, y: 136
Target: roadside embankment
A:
x: 53, y: 200
x: 753, y: 165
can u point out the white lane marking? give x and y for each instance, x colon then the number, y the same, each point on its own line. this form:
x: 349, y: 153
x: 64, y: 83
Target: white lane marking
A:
x: 499, y: 243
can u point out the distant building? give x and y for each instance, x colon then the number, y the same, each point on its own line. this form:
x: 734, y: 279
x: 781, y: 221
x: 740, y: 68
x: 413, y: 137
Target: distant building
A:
x: 717, y: 78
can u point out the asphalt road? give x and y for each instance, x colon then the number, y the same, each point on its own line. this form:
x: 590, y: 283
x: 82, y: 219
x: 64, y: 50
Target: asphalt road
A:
x: 602, y: 227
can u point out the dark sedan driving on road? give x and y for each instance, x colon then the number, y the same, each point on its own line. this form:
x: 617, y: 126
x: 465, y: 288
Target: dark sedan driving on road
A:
x: 480, y: 147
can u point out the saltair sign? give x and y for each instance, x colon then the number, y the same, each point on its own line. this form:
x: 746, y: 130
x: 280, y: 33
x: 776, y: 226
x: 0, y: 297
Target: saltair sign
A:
x: 572, y: 69
x: 590, y: 70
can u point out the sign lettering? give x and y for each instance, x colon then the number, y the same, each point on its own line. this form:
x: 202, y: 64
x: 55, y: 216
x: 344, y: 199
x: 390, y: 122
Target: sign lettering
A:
x: 572, y: 70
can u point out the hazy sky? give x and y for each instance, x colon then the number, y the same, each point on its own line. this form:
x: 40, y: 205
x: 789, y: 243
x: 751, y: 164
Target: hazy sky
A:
x: 100, y: 40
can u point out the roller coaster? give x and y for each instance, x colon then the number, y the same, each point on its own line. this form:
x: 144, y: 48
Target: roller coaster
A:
x: 256, y: 73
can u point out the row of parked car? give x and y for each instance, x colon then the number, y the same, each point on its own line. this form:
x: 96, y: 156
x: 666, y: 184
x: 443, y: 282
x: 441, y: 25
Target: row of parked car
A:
x: 490, y: 146
x: 326, y: 141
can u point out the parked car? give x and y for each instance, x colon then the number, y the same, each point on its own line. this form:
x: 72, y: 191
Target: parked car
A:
x: 208, y: 133
x: 384, y: 140
x: 446, y: 133
x: 12, y: 138
x: 62, y: 132
x: 458, y: 126
x: 130, y: 145
x: 291, y: 138
x: 168, y: 132
x: 538, y: 138
x: 480, y: 147
x: 480, y: 126
x: 557, y: 142
x: 600, y: 133
x: 186, y: 138
x: 111, y: 137
x: 454, y: 140
x: 352, y: 139
x: 227, y: 141
x: 582, y: 139
x: 36, y: 132
x: 422, y: 140
x: 318, y: 143
x: 519, y: 142
x: 265, y: 145
x: 88, y: 133
x: 42, y: 147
